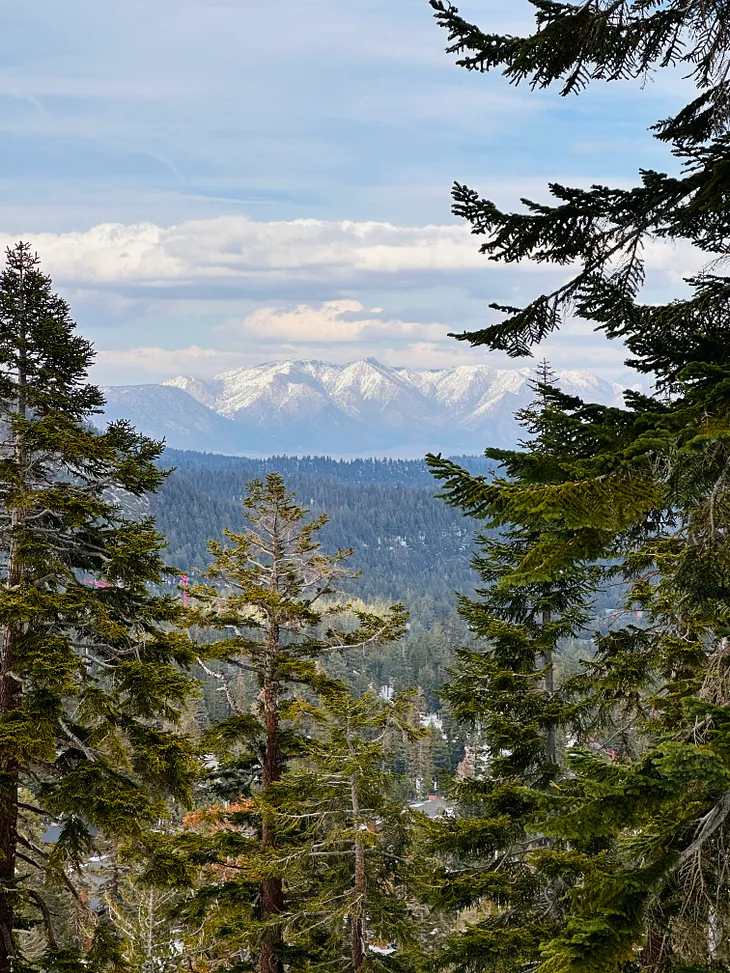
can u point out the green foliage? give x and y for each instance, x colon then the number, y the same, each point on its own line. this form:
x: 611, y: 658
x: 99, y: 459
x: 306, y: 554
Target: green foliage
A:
x: 347, y: 861
x: 91, y: 677
x: 408, y: 545
x: 272, y: 597
x: 537, y: 587
x: 638, y: 821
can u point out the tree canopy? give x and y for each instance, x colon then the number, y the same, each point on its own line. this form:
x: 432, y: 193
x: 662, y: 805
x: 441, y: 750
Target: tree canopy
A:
x: 642, y: 814
x: 92, y: 671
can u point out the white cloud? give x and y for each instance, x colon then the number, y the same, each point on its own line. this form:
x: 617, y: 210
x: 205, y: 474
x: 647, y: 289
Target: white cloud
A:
x: 150, y: 364
x: 335, y: 321
x: 235, y: 248
x: 154, y: 364
x: 204, y: 296
x: 234, y: 251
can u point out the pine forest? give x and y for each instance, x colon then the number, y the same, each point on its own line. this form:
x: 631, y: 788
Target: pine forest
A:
x: 468, y: 714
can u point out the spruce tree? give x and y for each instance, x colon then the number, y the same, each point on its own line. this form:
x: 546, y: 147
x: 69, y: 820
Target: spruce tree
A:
x: 644, y: 825
x: 275, y: 598
x: 90, y: 675
x: 496, y: 863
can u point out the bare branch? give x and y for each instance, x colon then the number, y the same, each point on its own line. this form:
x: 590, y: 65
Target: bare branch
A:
x: 707, y: 826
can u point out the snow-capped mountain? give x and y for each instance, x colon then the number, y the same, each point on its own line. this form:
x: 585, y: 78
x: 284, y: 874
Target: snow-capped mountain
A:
x: 359, y: 408
x: 165, y: 412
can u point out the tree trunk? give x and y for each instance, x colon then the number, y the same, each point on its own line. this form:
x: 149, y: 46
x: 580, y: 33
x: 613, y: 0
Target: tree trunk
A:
x: 550, y: 744
x: 357, y: 913
x: 9, y: 700
x: 357, y: 926
x: 10, y: 691
x: 272, y: 893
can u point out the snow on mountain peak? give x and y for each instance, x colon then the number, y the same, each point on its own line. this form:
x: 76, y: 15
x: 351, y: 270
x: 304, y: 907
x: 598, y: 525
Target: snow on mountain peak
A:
x: 365, y: 406
x: 453, y: 391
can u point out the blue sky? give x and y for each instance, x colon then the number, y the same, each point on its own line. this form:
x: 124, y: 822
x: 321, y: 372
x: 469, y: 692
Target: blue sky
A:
x: 214, y: 184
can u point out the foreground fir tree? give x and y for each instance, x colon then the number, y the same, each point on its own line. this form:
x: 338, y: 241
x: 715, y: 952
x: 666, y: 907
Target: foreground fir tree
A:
x: 271, y: 596
x: 89, y: 674
x: 646, y: 831
x: 537, y: 585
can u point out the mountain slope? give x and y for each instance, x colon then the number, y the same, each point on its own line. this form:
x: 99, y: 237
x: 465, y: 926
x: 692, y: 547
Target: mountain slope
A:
x: 363, y: 407
x: 166, y: 412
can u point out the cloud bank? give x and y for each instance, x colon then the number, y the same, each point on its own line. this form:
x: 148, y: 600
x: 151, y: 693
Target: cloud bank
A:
x: 205, y: 295
x: 235, y: 250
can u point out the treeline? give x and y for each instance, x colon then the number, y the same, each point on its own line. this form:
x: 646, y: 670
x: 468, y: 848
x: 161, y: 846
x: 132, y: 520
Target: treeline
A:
x: 236, y: 771
x: 408, y: 544
x: 411, y: 473
x: 257, y: 769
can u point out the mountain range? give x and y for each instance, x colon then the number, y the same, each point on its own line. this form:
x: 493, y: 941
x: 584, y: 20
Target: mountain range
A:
x: 362, y: 408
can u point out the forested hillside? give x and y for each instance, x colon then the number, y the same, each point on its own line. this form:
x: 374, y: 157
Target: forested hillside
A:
x: 306, y: 716
x: 410, y: 546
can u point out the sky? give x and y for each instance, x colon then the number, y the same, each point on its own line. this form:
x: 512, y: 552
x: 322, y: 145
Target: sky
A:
x: 220, y: 184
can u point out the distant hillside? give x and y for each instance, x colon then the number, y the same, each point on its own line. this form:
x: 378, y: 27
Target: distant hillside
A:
x: 364, y: 408
x: 409, y: 545
x: 166, y: 412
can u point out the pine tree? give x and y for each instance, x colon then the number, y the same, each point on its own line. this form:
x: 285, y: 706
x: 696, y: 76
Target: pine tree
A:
x: 496, y: 865
x: 644, y: 826
x: 144, y: 918
x: 88, y: 673
x: 273, y: 594
x: 348, y: 863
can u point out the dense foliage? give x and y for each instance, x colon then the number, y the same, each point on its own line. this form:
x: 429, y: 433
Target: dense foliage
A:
x: 587, y: 775
x: 407, y: 544
x: 273, y: 595
x: 637, y: 831
x: 92, y: 673
x: 506, y: 687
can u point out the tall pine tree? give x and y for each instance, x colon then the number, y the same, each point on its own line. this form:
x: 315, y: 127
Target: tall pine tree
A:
x: 348, y: 862
x: 275, y: 597
x: 644, y: 831
x: 89, y: 673
x: 537, y: 583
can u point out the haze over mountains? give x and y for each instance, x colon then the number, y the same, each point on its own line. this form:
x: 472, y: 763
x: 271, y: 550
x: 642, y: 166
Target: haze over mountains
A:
x: 362, y: 408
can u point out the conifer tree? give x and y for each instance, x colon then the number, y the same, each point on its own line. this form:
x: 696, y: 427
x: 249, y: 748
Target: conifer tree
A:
x: 348, y: 861
x: 645, y: 826
x: 273, y: 594
x: 496, y: 865
x: 88, y: 673
x: 144, y: 918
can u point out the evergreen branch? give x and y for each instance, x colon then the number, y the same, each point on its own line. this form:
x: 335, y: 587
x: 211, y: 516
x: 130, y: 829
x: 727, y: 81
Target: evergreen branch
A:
x: 240, y: 665
x: 225, y: 685
x: 36, y: 810
x: 707, y: 826
x: 73, y: 890
x: 47, y: 917
x: 26, y: 843
x: 371, y: 640
x: 30, y: 861
x: 71, y: 736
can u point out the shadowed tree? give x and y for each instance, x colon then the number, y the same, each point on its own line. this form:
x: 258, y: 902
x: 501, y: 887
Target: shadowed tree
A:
x: 537, y: 586
x: 88, y: 673
x: 644, y: 831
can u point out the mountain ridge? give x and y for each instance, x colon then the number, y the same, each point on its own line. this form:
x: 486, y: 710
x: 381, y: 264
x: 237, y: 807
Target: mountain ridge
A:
x: 362, y: 407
